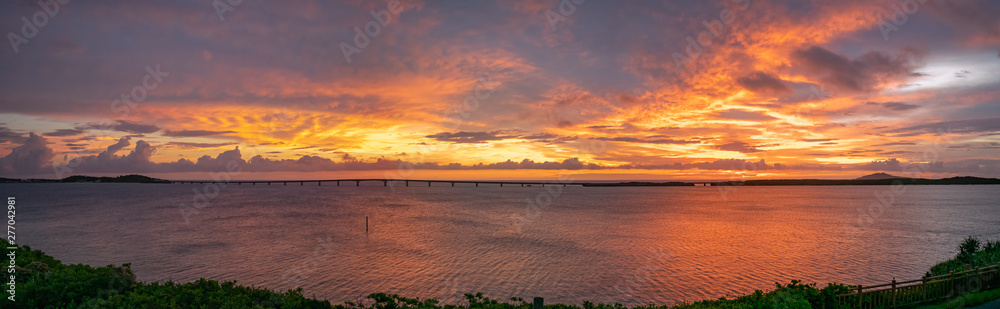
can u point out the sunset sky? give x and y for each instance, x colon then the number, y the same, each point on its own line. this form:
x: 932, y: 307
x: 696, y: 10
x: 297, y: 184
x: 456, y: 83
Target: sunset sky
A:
x: 500, y: 90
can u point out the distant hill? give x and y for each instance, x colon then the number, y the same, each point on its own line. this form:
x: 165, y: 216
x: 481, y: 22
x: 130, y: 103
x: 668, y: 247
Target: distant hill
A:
x: 81, y: 178
x: 880, y: 176
x: 963, y: 180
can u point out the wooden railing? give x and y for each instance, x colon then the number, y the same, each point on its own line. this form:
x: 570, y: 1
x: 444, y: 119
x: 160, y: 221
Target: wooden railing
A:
x: 923, y: 290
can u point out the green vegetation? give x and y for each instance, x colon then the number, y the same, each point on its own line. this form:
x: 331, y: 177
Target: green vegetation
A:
x: 44, y: 282
x: 972, y: 253
x: 967, y: 300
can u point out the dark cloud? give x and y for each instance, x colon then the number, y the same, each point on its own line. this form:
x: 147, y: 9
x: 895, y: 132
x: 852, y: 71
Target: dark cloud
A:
x: 123, y: 126
x: 974, y: 21
x: 6, y: 135
x: 863, y: 73
x: 473, y: 137
x: 898, y: 144
x: 743, y: 115
x: 763, y: 82
x: 646, y: 140
x: 64, y: 132
x: 952, y: 127
x: 738, y: 146
x: 193, y: 133
x: 899, y: 106
x: 187, y: 145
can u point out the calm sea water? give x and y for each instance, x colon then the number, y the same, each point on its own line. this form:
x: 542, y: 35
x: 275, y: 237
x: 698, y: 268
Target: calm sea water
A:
x: 627, y: 245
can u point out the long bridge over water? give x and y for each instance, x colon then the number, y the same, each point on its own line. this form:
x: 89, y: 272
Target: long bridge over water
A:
x: 406, y: 182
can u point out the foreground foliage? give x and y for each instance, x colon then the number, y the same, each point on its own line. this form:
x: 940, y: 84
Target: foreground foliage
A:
x: 972, y: 253
x: 44, y: 282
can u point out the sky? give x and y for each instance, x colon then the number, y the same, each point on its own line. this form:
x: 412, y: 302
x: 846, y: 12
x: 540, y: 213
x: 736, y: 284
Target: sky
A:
x: 540, y: 89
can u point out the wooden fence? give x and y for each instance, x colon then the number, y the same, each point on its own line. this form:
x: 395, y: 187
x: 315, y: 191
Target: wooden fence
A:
x: 924, y: 290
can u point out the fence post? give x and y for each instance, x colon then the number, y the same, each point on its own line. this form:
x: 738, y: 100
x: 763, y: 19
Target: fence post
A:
x: 859, y: 297
x: 951, y: 279
x: 538, y: 303
x: 923, y: 288
x: 894, y: 291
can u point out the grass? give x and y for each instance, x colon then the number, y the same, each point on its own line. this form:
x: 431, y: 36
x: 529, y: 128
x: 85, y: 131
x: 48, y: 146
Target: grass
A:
x: 44, y: 282
x: 967, y: 300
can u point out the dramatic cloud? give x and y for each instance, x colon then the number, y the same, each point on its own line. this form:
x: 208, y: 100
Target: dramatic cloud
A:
x: 30, y: 158
x: 864, y: 73
x: 818, y: 89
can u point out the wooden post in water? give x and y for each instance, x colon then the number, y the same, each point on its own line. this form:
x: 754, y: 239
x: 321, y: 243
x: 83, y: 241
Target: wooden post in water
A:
x: 539, y: 302
x: 357, y: 183
x: 428, y: 183
x: 366, y: 224
x: 407, y: 183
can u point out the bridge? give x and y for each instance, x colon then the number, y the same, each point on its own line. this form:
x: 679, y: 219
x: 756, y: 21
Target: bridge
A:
x: 406, y: 182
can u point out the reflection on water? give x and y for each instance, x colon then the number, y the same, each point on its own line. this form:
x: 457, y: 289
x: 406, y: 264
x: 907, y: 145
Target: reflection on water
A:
x: 628, y: 245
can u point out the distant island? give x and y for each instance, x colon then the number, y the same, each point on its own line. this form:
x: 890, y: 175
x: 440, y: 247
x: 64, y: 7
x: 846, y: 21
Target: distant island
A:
x: 867, y: 180
x: 81, y: 178
x: 876, y: 179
